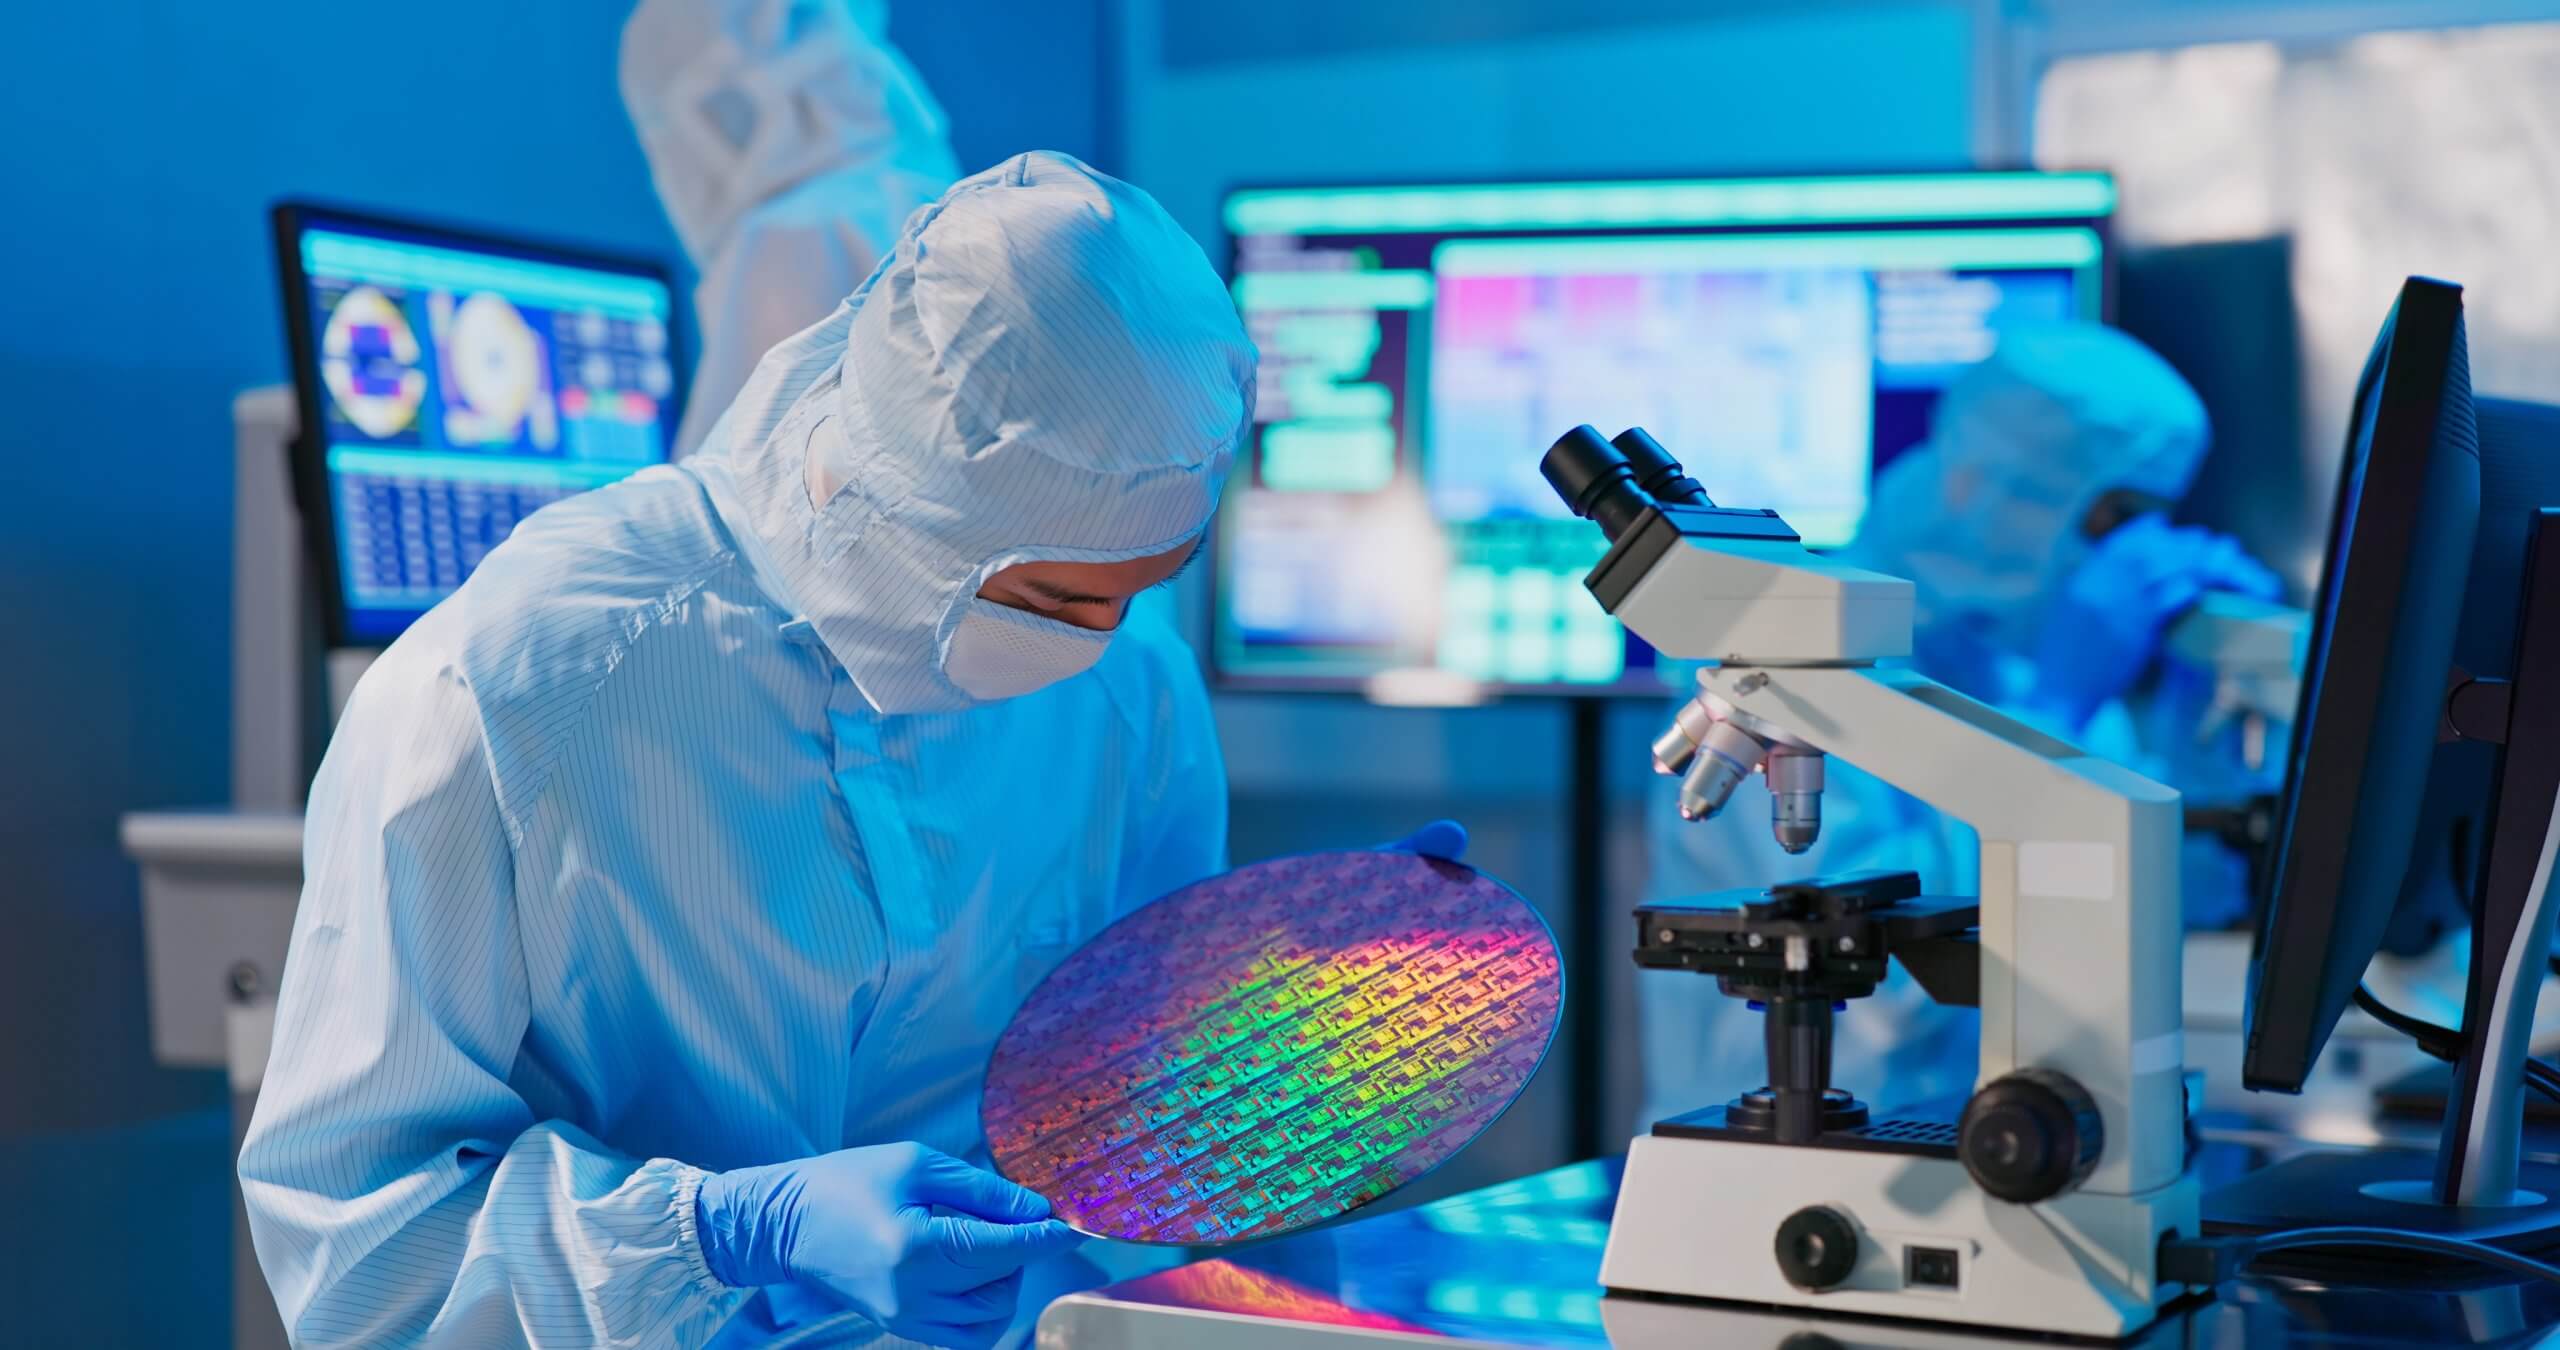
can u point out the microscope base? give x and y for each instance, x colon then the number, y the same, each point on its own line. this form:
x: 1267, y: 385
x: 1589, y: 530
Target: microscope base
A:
x: 1699, y: 1218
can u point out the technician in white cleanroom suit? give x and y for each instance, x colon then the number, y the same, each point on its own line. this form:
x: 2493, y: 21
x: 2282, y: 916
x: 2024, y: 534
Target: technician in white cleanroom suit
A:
x: 789, y: 140
x: 668, y: 886
x: 2016, y: 606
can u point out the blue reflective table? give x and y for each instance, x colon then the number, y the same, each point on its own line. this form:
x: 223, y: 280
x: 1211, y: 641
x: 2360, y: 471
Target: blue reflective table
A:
x: 1518, y: 1265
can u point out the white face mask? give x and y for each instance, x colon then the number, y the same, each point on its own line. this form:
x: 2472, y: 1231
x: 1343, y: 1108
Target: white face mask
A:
x: 999, y: 652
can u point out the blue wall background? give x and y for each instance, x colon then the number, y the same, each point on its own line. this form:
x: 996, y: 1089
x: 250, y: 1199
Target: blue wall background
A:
x: 145, y: 140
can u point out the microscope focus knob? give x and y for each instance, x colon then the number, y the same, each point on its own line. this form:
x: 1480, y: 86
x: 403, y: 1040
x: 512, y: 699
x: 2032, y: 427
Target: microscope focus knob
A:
x: 1817, y: 1248
x: 2030, y: 1136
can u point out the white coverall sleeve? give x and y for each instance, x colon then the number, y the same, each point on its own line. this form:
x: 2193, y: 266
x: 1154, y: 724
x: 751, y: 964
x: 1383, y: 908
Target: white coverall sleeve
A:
x: 399, y: 1191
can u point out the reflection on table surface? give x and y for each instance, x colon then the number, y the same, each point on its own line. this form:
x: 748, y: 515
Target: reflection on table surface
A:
x: 1518, y: 1265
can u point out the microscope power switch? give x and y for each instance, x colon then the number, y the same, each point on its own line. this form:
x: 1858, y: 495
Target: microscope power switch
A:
x: 1817, y: 1248
x: 2029, y: 1136
x: 1932, y: 1267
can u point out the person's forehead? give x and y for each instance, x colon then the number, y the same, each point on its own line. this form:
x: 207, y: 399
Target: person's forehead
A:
x: 1073, y: 581
x: 1174, y: 555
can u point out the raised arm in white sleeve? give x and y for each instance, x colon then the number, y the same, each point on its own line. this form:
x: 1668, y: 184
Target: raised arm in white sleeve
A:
x: 789, y: 140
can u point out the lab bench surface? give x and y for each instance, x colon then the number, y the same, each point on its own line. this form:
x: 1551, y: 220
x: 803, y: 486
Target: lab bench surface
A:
x: 1517, y: 1265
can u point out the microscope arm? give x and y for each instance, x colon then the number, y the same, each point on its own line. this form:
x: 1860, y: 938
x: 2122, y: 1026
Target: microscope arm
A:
x: 2079, y: 878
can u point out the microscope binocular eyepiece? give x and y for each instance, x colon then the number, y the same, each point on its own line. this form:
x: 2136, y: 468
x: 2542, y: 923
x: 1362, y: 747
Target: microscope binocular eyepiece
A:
x: 1656, y: 471
x: 1610, y: 483
x: 1595, y: 481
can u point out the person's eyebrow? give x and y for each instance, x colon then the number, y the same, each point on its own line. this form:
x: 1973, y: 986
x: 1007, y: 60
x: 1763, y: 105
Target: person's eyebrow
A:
x: 1062, y: 596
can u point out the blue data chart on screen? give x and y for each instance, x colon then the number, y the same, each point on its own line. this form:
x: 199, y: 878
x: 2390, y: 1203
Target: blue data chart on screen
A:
x: 463, y: 391
x: 1422, y: 346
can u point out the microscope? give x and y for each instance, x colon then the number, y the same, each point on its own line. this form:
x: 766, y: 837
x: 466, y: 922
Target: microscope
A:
x: 2040, y: 1202
x: 2253, y: 650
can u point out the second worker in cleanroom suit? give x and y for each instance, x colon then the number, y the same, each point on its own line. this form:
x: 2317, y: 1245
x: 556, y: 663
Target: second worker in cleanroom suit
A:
x: 1991, y: 518
x: 789, y: 139
x: 668, y: 886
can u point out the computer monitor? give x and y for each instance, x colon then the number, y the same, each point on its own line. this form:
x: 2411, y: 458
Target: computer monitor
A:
x: 450, y: 384
x: 2519, y: 474
x: 1420, y: 344
x: 2391, y: 591
x: 2412, y: 540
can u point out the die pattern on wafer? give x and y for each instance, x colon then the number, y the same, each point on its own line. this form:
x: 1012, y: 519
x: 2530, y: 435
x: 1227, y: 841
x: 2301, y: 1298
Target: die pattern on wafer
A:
x: 1271, y: 1048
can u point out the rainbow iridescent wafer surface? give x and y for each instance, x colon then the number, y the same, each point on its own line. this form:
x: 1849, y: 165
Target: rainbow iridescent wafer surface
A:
x: 1270, y: 1048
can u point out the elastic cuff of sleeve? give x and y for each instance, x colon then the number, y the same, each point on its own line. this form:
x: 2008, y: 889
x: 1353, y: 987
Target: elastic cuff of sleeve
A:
x: 688, y: 1189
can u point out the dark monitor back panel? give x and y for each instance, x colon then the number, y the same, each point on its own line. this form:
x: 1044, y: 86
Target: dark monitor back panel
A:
x: 2222, y: 314
x: 2519, y: 473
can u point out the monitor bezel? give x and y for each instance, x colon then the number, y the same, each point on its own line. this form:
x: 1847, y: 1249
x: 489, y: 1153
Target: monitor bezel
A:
x: 1642, y: 683
x: 309, y: 467
x: 2289, y: 1019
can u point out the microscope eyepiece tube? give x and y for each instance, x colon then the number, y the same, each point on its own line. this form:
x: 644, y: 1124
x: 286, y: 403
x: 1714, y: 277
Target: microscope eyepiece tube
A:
x: 1795, y: 796
x: 1594, y: 480
x: 1656, y: 471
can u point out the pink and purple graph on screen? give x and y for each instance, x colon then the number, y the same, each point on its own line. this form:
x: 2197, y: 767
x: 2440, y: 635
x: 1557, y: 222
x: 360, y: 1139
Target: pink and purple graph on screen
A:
x: 1273, y: 1047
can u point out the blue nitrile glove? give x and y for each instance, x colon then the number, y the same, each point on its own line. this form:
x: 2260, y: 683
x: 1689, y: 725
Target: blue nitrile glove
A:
x: 921, y: 1243
x: 2103, y: 629
x: 1445, y: 840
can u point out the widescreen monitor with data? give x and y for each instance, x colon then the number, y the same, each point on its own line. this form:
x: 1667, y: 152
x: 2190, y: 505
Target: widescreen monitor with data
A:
x: 1422, y: 346
x: 451, y: 385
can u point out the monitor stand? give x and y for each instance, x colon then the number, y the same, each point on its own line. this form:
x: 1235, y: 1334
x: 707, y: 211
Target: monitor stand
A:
x: 2477, y: 1185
